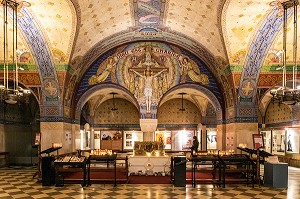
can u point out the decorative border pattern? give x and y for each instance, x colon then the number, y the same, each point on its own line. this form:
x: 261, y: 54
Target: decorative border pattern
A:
x: 254, y: 60
x: 43, y: 58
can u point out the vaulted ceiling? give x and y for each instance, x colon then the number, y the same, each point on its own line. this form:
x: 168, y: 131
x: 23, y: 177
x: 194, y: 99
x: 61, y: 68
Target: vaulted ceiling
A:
x: 224, y: 28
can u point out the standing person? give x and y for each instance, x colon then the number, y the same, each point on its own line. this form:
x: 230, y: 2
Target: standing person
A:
x: 195, y: 145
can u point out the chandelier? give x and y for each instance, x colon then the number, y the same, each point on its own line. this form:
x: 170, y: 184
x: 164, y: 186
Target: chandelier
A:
x: 288, y: 94
x: 10, y: 91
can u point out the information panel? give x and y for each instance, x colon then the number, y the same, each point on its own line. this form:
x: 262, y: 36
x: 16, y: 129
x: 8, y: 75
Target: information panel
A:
x: 183, y: 140
x: 110, y: 137
x: 278, y: 137
x: 130, y: 137
x: 292, y: 141
x: 211, y: 139
x: 164, y: 137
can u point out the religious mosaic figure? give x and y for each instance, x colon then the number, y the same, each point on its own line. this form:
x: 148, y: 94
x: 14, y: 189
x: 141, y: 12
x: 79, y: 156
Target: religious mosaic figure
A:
x: 102, y: 75
x: 193, y: 72
x: 148, y: 87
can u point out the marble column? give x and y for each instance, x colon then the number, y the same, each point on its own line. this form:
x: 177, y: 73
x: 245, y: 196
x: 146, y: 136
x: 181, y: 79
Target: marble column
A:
x: 240, y: 133
x: 60, y: 133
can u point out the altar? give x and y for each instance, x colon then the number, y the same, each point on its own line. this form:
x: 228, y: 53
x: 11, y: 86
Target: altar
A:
x: 149, y: 165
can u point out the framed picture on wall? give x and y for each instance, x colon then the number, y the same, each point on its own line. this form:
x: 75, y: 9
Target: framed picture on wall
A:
x: 258, y: 141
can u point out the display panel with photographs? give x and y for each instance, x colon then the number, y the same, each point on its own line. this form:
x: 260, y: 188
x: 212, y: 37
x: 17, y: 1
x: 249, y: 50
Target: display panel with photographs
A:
x: 183, y: 140
x: 292, y: 141
x: 165, y: 138
x: 211, y: 139
x: 267, y: 140
x: 258, y: 141
x: 96, y: 139
x: 130, y: 137
x: 278, y: 144
x: 111, y: 140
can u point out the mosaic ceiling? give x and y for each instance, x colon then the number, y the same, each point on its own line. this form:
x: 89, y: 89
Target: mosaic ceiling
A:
x: 225, y: 32
x: 225, y: 28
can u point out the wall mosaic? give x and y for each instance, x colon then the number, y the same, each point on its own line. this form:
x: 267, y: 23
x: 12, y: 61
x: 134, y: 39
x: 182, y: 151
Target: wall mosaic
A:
x: 149, y: 12
x: 126, y: 113
x: 42, y: 54
x: 278, y: 113
x: 191, y: 115
x: 148, y: 70
x: 256, y: 55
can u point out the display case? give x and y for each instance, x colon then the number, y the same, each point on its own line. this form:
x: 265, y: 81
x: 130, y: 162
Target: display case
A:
x: 292, y: 141
x: 64, y: 163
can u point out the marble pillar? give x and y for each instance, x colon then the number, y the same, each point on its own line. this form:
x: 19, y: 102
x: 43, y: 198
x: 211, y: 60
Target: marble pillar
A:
x: 221, y: 137
x: 240, y: 133
x: 60, y: 133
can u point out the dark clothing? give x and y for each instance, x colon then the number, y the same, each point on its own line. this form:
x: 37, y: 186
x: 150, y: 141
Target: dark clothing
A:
x: 195, y: 145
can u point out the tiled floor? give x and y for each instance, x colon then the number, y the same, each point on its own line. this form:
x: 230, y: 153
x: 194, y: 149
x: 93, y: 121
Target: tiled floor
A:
x: 18, y: 183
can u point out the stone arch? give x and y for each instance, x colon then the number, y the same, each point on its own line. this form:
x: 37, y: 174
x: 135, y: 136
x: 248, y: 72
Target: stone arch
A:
x: 211, y: 97
x: 97, y: 89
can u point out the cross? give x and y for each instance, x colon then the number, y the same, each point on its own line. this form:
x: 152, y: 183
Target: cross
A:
x: 247, y: 89
x: 50, y: 88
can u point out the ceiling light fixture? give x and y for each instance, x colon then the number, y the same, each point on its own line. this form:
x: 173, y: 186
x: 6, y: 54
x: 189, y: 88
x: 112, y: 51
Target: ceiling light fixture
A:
x: 182, y: 94
x: 10, y: 91
x: 114, y: 105
x: 285, y: 94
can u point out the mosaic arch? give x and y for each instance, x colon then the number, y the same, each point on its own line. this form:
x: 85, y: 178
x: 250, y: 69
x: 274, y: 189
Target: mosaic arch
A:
x: 253, y: 63
x: 148, y: 70
x: 40, y: 50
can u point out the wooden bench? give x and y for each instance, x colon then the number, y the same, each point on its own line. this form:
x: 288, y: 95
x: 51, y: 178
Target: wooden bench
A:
x: 6, y: 157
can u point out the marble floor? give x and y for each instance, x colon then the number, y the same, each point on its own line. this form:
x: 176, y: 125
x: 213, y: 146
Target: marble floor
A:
x: 18, y: 182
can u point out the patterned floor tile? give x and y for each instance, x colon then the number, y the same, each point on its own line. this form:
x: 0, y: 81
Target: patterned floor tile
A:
x: 19, y: 183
